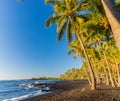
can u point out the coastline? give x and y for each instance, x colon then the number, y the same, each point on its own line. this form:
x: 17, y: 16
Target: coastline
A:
x: 58, y: 89
x: 79, y: 91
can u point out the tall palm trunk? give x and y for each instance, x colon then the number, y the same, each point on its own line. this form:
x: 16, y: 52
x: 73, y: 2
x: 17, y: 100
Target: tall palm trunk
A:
x: 118, y: 73
x: 110, y: 75
x: 93, y: 85
x: 113, y: 16
x: 105, y: 71
x: 88, y: 77
x: 107, y: 79
x: 95, y: 71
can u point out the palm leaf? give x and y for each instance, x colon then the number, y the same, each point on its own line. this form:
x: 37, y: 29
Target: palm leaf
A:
x: 82, y: 6
x: 77, y: 54
x: 69, y: 33
x: 51, y: 20
x: 50, y: 1
x: 118, y: 4
x: 59, y: 7
x: 48, y: 22
x: 61, y: 31
x: 88, y: 37
x: 71, y: 51
x: 60, y: 22
x: 53, y: 2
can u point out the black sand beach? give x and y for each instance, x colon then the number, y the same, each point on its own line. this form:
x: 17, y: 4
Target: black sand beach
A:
x: 79, y: 91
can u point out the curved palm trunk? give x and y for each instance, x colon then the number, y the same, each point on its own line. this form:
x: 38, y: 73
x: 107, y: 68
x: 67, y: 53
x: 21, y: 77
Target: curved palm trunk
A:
x: 88, y: 77
x: 93, y: 85
x: 113, y: 16
x: 105, y: 71
x: 118, y: 74
x: 95, y: 72
x: 111, y: 79
x: 107, y: 79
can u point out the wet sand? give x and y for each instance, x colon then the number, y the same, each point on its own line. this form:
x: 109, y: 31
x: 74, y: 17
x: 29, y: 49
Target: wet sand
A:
x: 79, y: 91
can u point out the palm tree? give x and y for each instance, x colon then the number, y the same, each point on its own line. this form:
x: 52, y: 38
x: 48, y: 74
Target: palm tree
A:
x: 106, y: 47
x: 113, y: 16
x: 76, y: 48
x: 100, y: 28
x: 114, y: 58
x: 66, y: 14
x: 117, y: 61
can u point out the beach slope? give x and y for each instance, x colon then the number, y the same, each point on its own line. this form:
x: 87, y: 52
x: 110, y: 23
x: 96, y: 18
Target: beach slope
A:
x: 79, y: 91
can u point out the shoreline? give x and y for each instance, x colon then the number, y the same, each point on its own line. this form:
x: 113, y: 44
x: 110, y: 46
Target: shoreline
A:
x: 57, y: 89
x: 79, y: 91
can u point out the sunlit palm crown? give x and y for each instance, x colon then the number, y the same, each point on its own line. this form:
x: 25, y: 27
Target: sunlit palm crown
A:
x: 64, y: 11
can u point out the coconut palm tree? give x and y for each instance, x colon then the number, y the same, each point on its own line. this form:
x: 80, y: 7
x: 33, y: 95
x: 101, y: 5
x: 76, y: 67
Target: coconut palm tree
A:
x: 98, y: 27
x: 114, y: 58
x: 76, y: 48
x: 66, y: 14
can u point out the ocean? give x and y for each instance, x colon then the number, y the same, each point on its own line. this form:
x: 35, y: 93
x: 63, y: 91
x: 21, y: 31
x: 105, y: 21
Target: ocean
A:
x: 15, y: 90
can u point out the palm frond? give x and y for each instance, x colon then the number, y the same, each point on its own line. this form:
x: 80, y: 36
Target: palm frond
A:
x: 60, y: 22
x: 56, y: 3
x: 48, y: 22
x: 71, y: 52
x: 69, y: 33
x: 77, y: 54
x: 51, y: 20
x: 96, y: 7
x: 88, y: 37
x: 118, y: 4
x: 61, y: 31
x: 82, y: 6
x: 50, y: 1
x: 59, y: 7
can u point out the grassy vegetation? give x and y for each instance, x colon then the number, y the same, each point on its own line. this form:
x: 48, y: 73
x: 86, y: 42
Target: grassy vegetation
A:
x: 74, y: 74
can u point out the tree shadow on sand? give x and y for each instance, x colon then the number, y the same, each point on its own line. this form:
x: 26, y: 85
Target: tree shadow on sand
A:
x: 102, y: 93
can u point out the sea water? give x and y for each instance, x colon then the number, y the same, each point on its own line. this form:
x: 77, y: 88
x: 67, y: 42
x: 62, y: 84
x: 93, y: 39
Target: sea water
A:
x: 15, y: 90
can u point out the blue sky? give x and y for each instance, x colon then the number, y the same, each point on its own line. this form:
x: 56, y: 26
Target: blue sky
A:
x: 27, y: 48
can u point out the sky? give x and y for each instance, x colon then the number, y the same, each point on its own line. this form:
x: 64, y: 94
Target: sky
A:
x: 27, y: 48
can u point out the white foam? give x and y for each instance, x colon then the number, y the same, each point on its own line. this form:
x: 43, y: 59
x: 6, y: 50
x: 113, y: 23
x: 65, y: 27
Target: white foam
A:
x: 33, y: 94
x: 36, y: 82
x: 22, y: 84
x: 26, y: 86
